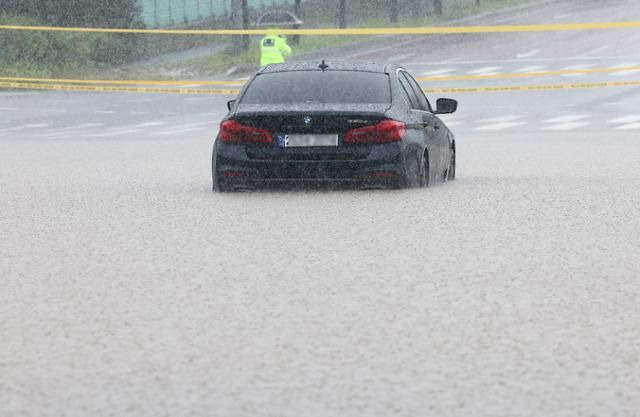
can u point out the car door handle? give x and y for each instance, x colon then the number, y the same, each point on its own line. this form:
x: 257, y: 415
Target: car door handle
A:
x: 429, y: 125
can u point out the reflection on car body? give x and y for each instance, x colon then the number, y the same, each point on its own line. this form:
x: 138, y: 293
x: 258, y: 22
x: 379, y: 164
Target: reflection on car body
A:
x: 310, y: 125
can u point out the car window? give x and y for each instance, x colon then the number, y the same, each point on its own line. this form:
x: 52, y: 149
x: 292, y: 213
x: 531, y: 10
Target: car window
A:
x: 406, y: 87
x: 423, y: 103
x: 326, y: 87
x: 405, y: 93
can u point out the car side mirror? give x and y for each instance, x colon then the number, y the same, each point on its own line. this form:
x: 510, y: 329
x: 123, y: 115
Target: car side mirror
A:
x: 446, y: 106
x: 231, y: 104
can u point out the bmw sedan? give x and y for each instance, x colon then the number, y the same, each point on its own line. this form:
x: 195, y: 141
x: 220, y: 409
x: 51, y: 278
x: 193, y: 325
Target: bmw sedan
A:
x: 332, y: 125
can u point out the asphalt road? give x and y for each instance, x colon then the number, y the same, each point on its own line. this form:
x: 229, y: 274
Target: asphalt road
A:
x: 129, y: 288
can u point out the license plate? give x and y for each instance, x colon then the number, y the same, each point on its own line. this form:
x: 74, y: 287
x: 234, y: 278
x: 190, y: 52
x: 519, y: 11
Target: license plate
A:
x: 301, y: 141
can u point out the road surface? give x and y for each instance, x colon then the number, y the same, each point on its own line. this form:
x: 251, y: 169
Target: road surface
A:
x: 129, y: 288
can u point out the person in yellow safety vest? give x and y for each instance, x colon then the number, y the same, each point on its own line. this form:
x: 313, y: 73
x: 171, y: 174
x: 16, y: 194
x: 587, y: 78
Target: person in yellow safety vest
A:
x: 273, y: 50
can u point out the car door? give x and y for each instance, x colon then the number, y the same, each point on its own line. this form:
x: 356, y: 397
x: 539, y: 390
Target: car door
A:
x: 433, y: 125
x: 425, y: 118
x: 416, y: 113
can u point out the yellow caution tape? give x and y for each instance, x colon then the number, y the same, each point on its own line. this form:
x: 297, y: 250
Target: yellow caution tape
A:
x: 509, y: 88
x: 121, y: 82
x: 114, y: 89
x: 525, y: 74
x: 548, y: 87
x: 342, y: 32
x: 242, y: 82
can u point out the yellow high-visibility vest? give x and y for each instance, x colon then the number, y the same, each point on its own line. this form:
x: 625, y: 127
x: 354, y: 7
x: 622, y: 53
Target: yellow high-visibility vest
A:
x: 273, y: 50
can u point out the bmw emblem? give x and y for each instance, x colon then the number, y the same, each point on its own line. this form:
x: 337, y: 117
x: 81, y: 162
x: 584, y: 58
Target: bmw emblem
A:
x: 307, y: 120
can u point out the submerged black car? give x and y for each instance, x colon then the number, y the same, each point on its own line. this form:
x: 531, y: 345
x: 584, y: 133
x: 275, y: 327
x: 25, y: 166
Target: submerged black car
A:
x: 317, y: 125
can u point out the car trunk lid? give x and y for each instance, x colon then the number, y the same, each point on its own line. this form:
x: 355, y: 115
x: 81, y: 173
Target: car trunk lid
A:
x: 310, y: 119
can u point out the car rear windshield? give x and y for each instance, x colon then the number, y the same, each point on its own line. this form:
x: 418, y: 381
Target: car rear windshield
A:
x: 326, y: 87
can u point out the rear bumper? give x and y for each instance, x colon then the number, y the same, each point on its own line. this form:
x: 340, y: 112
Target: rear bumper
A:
x: 316, y: 184
x: 382, y: 166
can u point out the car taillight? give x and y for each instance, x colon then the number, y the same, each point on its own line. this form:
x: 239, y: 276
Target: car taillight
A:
x: 385, y: 131
x: 234, y: 132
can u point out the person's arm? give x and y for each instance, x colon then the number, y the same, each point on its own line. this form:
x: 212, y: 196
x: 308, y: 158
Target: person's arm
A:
x: 283, y: 47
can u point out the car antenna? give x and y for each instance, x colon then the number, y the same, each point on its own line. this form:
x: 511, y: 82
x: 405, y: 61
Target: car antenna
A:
x: 323, y: 66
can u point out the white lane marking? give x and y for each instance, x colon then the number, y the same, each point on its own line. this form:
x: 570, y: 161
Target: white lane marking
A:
x: 561, y: 16
x: 140, y: 100
x: 72, y: 128
x: 631, y: 126
x: 567, y: 126
x: 148, y: 124
x: 104, y: 111
x: 452, y: 119
x: 500, y: 126
x: 486, y: 71
x: 437, y: 72
x: 395, y: 47
x: 114, y: 133
x: 197, y: 99
x: 56, y: 110
x: 192, y: 125
x: 177, y: 131
x: 140, y: 112
x: 398, y: 58
x: 576, y: 67
x: 595, y: 51
x: 83, y: 126
x: 532, y: 68
x: 57, y: 133
x: 520, y: 61
x: 9, y: 109
x: 126, y: 129
x: 528, y: 54
x: 626, y: 119
x: 501, y: 119
x: 169, y: 113
x: 625, y: 72
x: 25, y: 127
x: 453, y: 123
x: 568, y: 118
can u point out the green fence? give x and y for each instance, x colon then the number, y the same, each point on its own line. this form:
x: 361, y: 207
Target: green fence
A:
x: 163, y: 13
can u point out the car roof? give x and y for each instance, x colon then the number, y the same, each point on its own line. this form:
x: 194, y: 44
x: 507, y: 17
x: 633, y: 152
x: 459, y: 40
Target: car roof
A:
x: 330, y: 66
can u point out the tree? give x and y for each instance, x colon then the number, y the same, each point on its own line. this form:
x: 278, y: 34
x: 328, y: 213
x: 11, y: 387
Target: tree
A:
x: 56, y: 49
x: 297, y: 8
x: 87, y: 13
x: 342, y: 14
x: 437, y: 7
x: 417, y: 8
x: 240, y: 19
x: 394, y: 11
